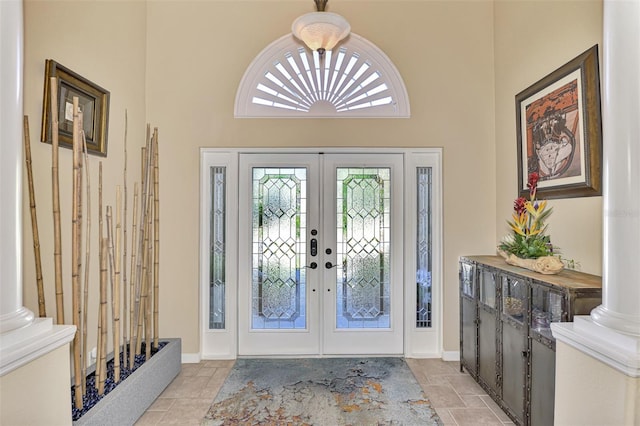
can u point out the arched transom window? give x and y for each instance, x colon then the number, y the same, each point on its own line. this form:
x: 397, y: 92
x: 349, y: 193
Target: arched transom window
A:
x: 356, y: 79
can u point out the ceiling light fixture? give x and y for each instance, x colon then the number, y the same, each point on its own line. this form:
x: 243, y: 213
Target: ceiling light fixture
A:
x: 321, y: 30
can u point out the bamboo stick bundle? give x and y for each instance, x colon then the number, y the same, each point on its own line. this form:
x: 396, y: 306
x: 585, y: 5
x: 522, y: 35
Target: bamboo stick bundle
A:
x: 42, y: 310
x: 133, y: 275
x: 87, y: 258
x: 112, y: 288
x: 102, y: 350
x: 76, y: 234
x: 116, y: 288
x: 156, y: 245
x: 125, y: 335
x: 101, y: 325
x: 55, y: 179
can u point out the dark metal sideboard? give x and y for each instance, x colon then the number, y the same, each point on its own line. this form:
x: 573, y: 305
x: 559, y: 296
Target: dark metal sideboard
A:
x: 505, y: 336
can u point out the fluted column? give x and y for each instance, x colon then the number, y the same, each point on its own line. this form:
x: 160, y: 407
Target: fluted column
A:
x: 12, y: 314
x: 620, y: 309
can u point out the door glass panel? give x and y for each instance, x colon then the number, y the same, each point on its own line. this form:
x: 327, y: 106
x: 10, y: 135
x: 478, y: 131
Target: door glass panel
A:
x: 488, y: 288
x: 546, y: 307
x: 279, y: 207
x: 467, y: 285
x: 217, y: 249
x: 514, y: 298
x: 363, y: 247
x: 423, y: 248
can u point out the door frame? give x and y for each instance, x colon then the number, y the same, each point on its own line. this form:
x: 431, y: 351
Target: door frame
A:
x: 418, y: 342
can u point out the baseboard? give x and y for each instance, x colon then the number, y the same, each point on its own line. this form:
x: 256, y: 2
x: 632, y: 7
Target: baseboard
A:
x: 451, y: 355
x: 190, y: 358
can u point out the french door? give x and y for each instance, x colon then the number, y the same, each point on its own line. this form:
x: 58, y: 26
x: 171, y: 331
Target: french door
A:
x: 320, y: 246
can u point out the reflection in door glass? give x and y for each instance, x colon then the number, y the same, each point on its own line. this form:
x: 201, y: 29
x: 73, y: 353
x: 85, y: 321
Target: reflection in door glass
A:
x: 363, y: 243
x: 279, y: 207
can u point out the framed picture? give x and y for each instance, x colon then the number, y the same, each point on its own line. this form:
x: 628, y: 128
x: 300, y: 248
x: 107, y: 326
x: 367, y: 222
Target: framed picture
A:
x: 93, y: 102
x: 559, y: 130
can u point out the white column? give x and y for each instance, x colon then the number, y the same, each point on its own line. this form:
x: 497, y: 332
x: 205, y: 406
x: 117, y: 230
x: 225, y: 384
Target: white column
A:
x: 12, y: 314
x: 620, y: 309
x: 611, y: 334
x: 22, y: 339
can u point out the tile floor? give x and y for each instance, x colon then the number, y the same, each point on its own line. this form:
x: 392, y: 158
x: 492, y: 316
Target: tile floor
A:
x: 456, y: 397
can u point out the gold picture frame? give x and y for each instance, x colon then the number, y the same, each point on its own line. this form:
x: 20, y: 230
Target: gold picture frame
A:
x: 559, y: 131
x: 94, y: 102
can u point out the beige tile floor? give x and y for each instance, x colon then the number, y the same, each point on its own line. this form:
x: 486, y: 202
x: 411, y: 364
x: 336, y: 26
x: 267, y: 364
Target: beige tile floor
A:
x: 455, y: 396
x: 457, y: 399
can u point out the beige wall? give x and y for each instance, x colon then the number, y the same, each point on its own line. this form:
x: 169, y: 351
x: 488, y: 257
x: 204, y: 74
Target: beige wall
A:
x: 604, y: 397
x: 197, y: 54
x: 103, y: 41
x: 177, y: 65
x: 532, y: 39
x: 38, y: 392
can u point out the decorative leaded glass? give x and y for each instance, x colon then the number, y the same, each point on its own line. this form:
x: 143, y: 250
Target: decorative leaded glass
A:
x: 279, y: 247
x: 217, y: 249
x: 363, y: 247
x: 423, y: 248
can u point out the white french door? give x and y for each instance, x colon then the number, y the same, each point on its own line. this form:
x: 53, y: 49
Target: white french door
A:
x: 303, y: 253
x: 320, y: 249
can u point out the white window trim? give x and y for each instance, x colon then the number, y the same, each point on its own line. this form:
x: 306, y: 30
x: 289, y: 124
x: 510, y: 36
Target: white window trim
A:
x: 419, y: 340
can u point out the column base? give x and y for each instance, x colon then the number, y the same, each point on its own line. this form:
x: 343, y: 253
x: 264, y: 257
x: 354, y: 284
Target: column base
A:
x: 618, y: 350
x: 624, y: 323
x: 15, y: 320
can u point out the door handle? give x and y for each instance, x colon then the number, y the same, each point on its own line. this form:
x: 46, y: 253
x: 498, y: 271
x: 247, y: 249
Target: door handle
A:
x: 312, y: 265
x: 329, y: 265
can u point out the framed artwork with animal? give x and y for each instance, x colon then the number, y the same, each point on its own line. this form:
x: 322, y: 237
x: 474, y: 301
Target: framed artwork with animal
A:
x: 559, y: 131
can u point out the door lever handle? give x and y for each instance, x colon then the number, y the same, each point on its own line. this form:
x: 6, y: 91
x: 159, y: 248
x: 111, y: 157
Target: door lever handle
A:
x: 329, y: 265
x: 312, y: 265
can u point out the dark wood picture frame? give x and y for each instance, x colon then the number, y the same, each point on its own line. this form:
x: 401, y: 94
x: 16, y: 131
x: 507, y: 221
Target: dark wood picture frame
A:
x: 559, y: 131
x: 94, y: 102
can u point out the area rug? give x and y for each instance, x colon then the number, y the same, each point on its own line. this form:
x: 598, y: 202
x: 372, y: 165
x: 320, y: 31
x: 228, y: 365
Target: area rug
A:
x: 324, y: 391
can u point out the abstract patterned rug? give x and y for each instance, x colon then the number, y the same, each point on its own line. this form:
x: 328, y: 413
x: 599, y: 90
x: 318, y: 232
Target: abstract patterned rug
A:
x: 325, y: 391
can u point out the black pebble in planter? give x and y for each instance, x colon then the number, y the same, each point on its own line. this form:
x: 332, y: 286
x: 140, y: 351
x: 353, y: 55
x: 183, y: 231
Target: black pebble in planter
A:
x: 124, y: 404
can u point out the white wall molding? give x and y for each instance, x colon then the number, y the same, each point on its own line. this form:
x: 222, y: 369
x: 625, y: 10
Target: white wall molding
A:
x: 19, y: 347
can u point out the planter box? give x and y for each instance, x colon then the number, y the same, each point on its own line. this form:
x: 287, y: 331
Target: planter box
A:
x: 131, y: 398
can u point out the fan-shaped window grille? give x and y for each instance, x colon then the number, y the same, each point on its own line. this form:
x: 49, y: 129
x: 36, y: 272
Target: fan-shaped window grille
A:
x: 356, y: 79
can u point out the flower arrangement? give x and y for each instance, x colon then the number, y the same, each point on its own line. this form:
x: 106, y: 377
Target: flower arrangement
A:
x: 528, y: 240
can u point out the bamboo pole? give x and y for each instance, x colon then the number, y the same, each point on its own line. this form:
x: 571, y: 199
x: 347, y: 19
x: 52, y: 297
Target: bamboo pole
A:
x: 143, y: 293
x: 116, y: 289
x: 101, y: 325
x: 111, y: 281
x: 144, y: 285
x: 76, y: 234
x: 42, y: 310
x: 141, y: 239
x: 125, y: 335
x: 156, y: 245
x: 55, y: 179
x: 102, y: 351
x: 148, y: 302
x: 87, y: 258
x: 133, y: 275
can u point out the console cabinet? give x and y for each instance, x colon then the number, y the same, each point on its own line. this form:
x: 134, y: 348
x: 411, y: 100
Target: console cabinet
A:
x: 505, y: 335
